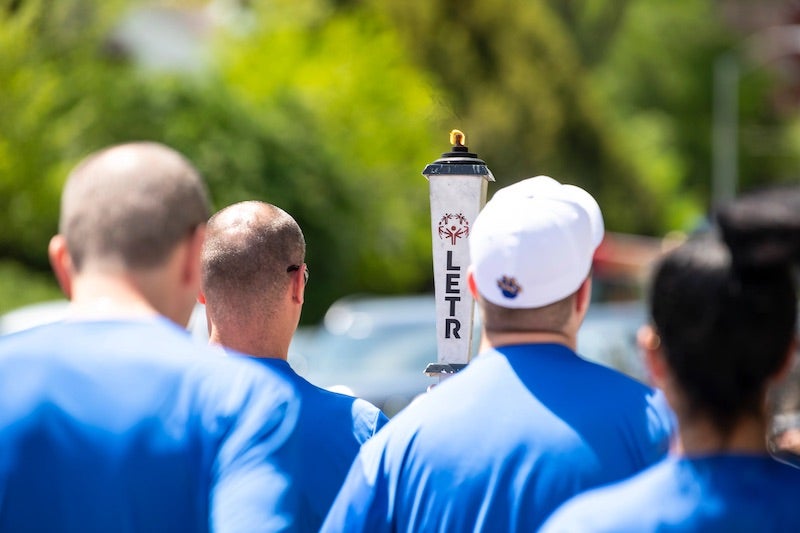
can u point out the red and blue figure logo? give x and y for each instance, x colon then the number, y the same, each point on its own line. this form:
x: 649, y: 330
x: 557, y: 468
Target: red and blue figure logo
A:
x: 453, y: 226
x: 509, y: 287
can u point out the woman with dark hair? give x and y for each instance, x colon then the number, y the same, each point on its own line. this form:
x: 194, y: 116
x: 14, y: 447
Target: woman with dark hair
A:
x: 724, y: 312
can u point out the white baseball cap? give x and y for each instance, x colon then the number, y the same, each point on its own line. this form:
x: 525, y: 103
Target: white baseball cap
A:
x: 533, y: 243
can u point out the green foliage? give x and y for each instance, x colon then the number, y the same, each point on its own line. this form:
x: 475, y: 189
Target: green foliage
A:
x: 330, y: 109
x: 20, y: 286
x: 515, y: 73
x: 658, y: 71
x: 44, y: 59
x: 370, y: 115
x: 332, y: 124
x: 612, y: 95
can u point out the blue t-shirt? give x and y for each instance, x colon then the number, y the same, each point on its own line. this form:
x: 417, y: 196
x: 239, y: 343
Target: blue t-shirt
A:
x: 330, y: 430
x: 730, y: 493
x: 130, y: 425
x: 500, y: 445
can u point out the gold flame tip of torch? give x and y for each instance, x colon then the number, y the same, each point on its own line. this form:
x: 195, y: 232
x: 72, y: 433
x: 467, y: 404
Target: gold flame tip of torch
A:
x: 457, y: 138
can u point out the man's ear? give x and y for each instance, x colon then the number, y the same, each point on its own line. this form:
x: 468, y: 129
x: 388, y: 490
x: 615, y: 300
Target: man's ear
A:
x: 191, y: 269
x: 583, y: 296
x: 61, y: 263
x: 473, y: 287
x: 298, y: 284
x: 201, y: 298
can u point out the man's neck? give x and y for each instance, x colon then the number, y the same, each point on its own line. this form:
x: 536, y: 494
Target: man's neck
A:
x: 104, y: 296
x: 257, y: 347
x: 496, y: 339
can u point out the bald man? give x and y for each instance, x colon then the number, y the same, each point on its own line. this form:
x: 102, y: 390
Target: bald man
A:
x: 115, y: 419
x: 253, y: 279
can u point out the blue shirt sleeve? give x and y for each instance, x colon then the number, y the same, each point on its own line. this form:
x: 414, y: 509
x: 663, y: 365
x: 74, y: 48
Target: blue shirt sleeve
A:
x: 253, y: 489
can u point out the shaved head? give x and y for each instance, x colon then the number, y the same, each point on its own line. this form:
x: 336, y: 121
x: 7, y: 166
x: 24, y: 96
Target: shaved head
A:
x: 248, y: 248
x: 129, y: 205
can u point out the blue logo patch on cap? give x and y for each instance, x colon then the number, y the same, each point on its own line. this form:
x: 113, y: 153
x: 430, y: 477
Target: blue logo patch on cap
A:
x: 509, y: 286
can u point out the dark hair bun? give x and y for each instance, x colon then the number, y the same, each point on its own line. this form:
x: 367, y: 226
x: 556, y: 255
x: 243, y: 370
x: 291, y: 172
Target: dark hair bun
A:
x: 762, y: 229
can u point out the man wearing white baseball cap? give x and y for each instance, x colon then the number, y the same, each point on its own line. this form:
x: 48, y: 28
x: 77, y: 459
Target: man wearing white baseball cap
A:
x: 528, y: 423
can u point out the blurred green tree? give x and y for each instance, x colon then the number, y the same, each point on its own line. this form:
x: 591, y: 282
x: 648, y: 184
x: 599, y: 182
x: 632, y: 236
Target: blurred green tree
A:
x: 658, y: 69
x: 322, y: 116
x: 614, y: 95
x: 371, y: 116
x: 47, y: 54
x: 331, y: 108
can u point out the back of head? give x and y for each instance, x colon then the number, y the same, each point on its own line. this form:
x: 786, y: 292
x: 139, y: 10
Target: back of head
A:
x: 762, y: 229
x: 531, y: 247
x: 249, y: 247
x: 128, y: 206
x: 725, y: 308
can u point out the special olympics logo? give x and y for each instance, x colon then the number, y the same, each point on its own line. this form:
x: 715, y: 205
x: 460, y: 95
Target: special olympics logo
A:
x: 453, y: 226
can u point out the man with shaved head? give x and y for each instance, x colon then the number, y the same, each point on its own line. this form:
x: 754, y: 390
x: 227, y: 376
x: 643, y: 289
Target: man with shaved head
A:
x: 253, y: 279
x: 115, y: 419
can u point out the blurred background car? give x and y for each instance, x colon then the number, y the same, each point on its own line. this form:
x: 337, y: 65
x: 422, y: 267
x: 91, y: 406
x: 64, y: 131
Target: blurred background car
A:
x: 377, y: 348
x: 374, y: 348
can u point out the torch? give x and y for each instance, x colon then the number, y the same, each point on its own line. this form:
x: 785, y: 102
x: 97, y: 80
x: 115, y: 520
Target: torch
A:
x: 458, y: 183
